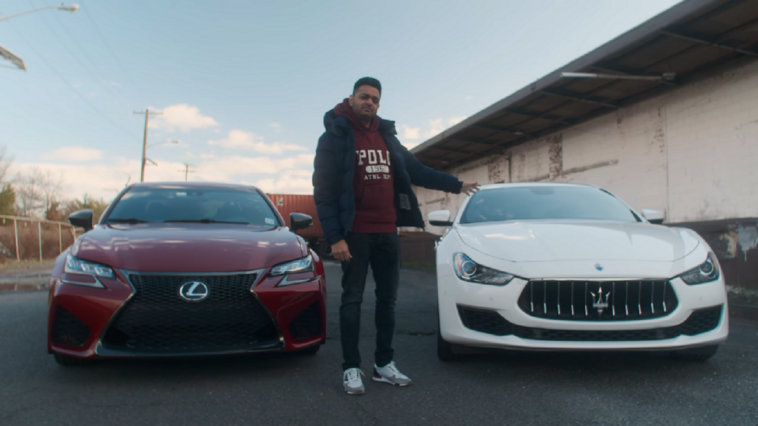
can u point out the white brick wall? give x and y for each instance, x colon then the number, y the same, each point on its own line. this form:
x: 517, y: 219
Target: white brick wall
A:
x: 692, y: 153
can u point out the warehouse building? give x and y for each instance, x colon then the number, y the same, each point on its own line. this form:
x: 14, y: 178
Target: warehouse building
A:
x: 665, y: 116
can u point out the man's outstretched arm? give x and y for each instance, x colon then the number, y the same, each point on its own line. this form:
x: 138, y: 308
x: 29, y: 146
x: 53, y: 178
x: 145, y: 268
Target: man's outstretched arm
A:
x: 427, y: 177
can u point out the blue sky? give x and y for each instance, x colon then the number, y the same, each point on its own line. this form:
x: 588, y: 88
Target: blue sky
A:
x: 244, y: 84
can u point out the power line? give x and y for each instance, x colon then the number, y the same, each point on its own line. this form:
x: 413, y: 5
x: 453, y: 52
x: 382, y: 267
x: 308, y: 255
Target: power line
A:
x: 81, y: 48
x: 74, y: 55
x: 186, y: 171
x: 144, y: 141
x: 94, y: 108
x: 108, y: 46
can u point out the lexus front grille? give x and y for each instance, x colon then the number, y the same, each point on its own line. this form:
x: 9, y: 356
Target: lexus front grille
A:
x: 598, y: 300
x: 157, y: 320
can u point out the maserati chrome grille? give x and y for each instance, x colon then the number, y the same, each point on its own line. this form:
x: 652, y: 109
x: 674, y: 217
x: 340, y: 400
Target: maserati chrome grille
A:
x: 598, y: 300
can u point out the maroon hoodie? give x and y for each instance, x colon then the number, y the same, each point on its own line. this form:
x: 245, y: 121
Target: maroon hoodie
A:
x: 374, y: 177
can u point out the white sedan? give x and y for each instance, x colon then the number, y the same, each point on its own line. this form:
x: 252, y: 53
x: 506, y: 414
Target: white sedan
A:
x: 559, y: 267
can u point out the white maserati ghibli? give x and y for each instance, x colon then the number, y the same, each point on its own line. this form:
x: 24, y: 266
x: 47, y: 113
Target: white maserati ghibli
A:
x: 563, y: 267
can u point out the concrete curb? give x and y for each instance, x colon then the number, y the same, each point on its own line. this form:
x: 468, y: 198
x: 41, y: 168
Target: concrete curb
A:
x: 18, y: 287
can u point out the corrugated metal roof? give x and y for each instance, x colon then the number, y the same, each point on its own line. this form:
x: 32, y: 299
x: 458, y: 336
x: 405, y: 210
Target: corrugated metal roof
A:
x: 690, y: 39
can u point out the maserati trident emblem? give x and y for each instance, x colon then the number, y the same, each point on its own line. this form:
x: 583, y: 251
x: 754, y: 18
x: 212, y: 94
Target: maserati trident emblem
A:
x: 193, y: 291
x: 599, y: 302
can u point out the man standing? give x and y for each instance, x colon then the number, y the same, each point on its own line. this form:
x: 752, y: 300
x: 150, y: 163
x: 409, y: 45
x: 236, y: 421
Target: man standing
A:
x: 362, y: 188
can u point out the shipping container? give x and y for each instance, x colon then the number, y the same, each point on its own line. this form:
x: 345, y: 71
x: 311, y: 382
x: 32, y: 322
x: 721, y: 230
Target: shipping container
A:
x: 289, y: 203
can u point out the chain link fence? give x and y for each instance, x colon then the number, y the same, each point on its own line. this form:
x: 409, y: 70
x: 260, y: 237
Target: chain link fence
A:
x: 23, y: 238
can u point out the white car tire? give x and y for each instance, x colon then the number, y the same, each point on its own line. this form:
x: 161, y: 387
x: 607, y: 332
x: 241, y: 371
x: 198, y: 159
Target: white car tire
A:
x: 446, y: 351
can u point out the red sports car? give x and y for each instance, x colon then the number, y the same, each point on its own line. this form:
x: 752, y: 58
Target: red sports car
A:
x: 177, y: 269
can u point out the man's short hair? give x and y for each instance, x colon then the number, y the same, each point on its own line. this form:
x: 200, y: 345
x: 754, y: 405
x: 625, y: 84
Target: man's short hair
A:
x: 368, y: 81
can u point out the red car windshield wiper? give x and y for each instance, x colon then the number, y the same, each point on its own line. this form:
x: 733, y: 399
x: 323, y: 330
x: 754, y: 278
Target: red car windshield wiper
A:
x: 206, y: 220
x: 125, y: 220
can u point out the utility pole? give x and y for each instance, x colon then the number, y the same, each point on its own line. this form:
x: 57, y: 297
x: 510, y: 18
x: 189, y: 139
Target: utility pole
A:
x: 186, y: 170
x: 144, y: 140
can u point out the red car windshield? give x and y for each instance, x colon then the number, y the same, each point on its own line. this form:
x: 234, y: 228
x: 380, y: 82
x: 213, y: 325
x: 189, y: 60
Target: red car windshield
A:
x: 203, y: 204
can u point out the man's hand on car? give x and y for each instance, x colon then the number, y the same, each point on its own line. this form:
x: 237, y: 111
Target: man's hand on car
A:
x: 469, y: 188
x: 340, y: 251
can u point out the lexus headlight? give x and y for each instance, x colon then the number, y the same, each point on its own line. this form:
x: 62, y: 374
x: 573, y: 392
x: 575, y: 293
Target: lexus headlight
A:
x: 74, y: 265
x: 468, y: 270
x: 707, y: 272
x: 294, y: 267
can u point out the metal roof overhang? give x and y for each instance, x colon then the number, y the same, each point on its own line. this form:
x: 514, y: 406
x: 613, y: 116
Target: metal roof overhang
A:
x: 691, y: 39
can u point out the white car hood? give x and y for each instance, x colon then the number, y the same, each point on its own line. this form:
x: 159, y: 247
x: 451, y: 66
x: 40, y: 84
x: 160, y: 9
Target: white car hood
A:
x: 550, y: 240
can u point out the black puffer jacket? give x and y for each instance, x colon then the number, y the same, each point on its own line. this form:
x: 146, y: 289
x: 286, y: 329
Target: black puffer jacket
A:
x: 334, y: 166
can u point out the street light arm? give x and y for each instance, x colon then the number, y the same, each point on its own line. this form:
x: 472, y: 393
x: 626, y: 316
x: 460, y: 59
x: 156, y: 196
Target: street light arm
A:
x: 68, y: 8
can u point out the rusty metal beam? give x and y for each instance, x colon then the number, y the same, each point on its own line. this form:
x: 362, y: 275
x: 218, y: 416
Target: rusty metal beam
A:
x: 548, y: 117
x: 577, y: 97
x: 626, y: 71
x: 708, y: 43
x: 501, y: 129
x: 459, y: 151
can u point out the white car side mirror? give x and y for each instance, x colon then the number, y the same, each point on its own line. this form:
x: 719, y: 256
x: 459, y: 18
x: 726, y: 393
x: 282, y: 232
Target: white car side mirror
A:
x: 440, y: 218
x: 653, y: 216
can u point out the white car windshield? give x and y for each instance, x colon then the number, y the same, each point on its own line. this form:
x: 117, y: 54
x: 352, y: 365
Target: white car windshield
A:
x: 545, y: 202
x: 202, y: 204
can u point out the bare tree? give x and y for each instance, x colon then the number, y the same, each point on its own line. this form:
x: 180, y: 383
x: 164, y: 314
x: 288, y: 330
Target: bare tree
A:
x: 97, y: 205
x: 37, y: 191
x: 5, y: 162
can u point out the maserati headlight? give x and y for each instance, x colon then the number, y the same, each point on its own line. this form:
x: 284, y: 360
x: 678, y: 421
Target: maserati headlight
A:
x: 707, y: 272
x: 294, y: 267
x: 468, y: 270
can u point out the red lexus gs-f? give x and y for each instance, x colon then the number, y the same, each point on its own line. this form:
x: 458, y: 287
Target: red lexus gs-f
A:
x: 175, y: 269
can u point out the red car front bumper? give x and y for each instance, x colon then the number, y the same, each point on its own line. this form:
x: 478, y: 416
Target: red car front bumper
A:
x: 129, y: 319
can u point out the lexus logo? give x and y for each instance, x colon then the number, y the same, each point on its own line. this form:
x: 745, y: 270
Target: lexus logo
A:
x: 193, y: 291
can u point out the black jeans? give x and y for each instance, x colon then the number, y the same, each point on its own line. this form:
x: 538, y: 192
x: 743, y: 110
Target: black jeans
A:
x: 382, y: 253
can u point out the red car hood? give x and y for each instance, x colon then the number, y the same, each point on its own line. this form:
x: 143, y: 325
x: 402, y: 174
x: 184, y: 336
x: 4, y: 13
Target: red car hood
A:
x: 188, y: 247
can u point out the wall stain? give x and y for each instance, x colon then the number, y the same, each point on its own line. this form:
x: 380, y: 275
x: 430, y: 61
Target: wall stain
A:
x: 555, y: 151
x: 747, y: 237
x: 731, y: 244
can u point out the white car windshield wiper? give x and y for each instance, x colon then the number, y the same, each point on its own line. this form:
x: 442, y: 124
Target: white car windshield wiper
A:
x: 204, y: 221
x: 125, y: 220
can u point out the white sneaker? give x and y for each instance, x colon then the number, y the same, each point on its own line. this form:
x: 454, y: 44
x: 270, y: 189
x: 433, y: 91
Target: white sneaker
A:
x: 351, y: 380
x: 390, y: 374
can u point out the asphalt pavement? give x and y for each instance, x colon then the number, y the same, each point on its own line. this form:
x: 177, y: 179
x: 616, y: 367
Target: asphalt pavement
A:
x: 498, y: 388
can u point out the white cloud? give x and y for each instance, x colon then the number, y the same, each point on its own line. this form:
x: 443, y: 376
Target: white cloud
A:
x: 74, y: 153
x: 182, y: 117
x: 411, y: 145
x: 429, y: 130
x: 276, y: 126
x: 438, y: 125
x: 455, y: 120
x: 411, y: 133
x: 290, y: 175
x: 236, y: 165
x: 248, y: 140
x: 291, y: 182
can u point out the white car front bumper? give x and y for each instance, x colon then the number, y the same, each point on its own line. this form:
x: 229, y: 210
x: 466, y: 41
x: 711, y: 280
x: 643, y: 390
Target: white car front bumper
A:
x: 454, y: 293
